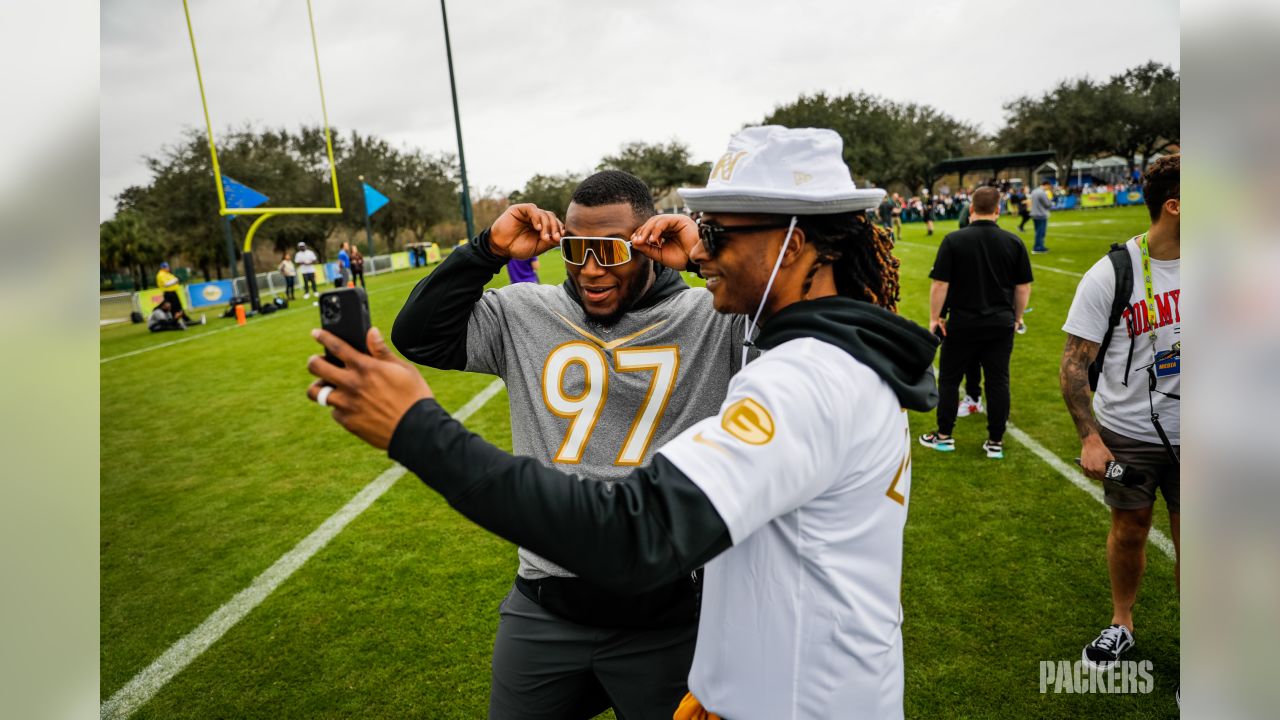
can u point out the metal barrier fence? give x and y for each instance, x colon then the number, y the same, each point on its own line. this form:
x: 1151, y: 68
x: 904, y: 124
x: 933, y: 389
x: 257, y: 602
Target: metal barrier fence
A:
x: 115, y: 308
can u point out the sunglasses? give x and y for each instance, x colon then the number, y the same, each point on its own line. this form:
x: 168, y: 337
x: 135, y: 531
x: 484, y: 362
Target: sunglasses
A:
x: 608, y: 252
x: 714, y: 234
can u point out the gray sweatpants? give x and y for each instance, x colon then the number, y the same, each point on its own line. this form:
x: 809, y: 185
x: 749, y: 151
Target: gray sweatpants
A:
x: 547, y: 667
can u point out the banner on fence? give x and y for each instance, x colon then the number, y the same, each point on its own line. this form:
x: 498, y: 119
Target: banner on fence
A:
x: 1130, y: 197
x: 205, y: 294
x: 400, y: 260
x: 151, y: 298
x: 1097, y: 200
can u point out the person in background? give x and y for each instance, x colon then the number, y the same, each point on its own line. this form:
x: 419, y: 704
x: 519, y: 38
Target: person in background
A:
x: 523, y: 270
x: 981, y: 283
x: 1133, y: 417
x: 290, y: 274
x: 897, y: 217
x: 344, y: 264
x: 926, y: 211
x: 1019, y: 200
x: 1041, y: 208
x: 163, y: 318
x: 357, y: 267
x: 171, y: 285
x: 888, y: 212
x: 306, y: 260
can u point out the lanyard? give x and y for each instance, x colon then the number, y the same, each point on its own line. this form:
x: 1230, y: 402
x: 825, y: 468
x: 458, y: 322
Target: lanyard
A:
x: 1146, y: 281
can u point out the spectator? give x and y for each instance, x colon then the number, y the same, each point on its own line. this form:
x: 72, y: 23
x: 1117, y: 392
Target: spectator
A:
x: 163, y: 318
x: 306, y: 260
x: 344, y: 265
x: 171, y: 285
x: 888, y: 211
x: 1019, y: 200
x: 523, y: 270
x: 981, y: 284
x: 357, y: 267
x: 1133, y: 418
x: 290, y: 274
x: 897, y: 217
x: 1041, y: 204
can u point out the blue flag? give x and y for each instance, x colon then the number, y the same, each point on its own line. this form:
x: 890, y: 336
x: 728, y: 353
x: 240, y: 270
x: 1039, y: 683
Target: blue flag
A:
x: 239, y: 195
x: 373, y: 200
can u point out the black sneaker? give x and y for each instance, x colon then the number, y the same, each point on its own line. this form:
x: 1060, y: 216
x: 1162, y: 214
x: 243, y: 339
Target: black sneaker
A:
x: 1105, y: 650
x: 932, y: 440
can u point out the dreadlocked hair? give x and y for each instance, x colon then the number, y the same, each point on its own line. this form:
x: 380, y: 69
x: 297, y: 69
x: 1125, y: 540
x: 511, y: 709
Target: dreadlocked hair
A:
x: 860, y: 255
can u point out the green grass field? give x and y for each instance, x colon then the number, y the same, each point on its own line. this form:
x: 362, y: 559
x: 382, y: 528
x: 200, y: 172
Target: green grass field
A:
x: 214, y: 464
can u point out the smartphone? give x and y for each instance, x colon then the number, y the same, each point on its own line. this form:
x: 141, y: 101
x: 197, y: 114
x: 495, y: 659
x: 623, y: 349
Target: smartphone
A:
x: 345, y: 313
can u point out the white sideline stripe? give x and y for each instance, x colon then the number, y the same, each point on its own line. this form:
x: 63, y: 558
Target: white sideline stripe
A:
x: 149, y: 348
x: 147, y: 683
x: 1060, y: 271
x: 1037, y: 266
x: 1077, y: 478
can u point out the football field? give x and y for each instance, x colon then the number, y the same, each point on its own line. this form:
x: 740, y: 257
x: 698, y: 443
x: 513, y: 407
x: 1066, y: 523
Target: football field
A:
x: 259, y: 562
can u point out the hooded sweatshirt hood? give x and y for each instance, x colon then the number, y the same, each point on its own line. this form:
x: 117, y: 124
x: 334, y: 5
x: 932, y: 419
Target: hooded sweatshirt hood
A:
x: 898, y: 350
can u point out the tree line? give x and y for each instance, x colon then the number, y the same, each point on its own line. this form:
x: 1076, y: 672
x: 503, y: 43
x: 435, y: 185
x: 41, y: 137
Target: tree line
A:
x: 887, y: 143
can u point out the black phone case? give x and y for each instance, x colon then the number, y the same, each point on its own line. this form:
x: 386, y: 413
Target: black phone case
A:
x: 345, y: 313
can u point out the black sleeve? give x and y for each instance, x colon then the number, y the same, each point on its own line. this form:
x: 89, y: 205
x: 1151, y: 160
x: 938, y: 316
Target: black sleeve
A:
x: 431, y: 328
x: 630, y: 535
x: 942, y: 263
x: 1022, y: 264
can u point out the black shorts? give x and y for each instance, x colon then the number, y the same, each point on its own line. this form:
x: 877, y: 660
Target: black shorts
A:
x: 1149, y: 467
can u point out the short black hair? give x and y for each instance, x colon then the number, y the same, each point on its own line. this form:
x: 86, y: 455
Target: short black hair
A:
x: 610, y: 187
x: 1161, y: 184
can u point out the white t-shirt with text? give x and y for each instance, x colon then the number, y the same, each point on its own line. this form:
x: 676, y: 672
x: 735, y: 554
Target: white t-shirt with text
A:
x: 808, y: 464
x: 1126, y: 410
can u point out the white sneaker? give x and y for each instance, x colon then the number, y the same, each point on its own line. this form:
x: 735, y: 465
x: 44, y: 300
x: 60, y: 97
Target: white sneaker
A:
x: 968, y: 406
x: 306, y: 296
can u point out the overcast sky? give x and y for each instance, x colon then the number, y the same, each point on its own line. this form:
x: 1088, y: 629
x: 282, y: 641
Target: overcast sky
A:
x: 553, y: 85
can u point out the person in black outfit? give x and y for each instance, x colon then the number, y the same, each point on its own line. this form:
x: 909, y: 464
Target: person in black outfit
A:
x: 1024, y: 208
x: 981, y: 284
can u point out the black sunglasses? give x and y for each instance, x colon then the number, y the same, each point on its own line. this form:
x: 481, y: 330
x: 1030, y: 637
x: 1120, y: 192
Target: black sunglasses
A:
x: 713, y: 234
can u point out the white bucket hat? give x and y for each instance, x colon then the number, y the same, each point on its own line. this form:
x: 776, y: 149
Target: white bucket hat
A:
x: 785, y: 171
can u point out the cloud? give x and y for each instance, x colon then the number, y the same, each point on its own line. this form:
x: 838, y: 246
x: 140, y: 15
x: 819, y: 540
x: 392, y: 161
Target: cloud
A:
x: 553, y: 86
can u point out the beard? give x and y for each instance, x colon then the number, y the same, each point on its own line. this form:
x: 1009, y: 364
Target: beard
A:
x: 633, y: 293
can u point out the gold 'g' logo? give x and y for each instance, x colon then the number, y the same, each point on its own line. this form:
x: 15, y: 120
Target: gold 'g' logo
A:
x: 748, y: 421
x: 724, y: 166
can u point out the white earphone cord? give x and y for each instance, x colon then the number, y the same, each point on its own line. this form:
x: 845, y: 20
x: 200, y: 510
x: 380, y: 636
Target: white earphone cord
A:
x: 746, y: 340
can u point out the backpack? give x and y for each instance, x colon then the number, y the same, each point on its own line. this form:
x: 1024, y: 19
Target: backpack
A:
x: 1123, y: 265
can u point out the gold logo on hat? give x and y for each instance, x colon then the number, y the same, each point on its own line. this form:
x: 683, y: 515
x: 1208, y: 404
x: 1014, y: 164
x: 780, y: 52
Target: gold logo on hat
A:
x: 748, y: 421
x: 724, y: 166
x: 802, y: 178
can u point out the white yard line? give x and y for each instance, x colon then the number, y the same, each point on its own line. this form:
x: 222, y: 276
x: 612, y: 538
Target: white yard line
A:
x: 149, y: 348
x: 138, y: 691
x: 1077, y: 478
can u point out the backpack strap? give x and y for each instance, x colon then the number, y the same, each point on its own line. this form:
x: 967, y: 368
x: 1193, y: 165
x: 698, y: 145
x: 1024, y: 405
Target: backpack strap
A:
x: 1123, y: 266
